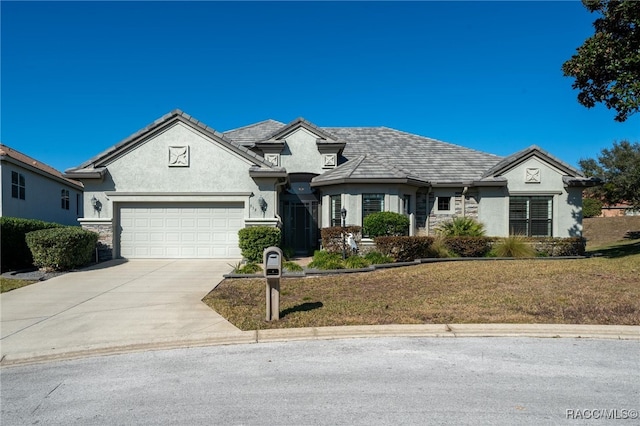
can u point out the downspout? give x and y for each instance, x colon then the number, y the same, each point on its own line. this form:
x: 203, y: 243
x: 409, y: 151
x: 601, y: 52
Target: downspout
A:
x: 277, y: 201
x: 427, y: 210
x: 464, y: 198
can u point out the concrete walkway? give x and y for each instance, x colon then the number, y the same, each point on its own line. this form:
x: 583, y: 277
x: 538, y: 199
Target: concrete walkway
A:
x: 116, y: 304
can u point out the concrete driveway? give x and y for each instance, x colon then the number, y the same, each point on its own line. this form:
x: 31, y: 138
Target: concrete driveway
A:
x: 114, y: 304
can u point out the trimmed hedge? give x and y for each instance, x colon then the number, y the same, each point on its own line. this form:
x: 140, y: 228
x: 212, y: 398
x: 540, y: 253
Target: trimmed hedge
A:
x: 15, y: 252
x: 332, y: 237
x: 469, y: 246
x: 386, y: 224
x: 61, y: 249
x: 552, y: 247
x: 254, y: 239
x: 405, y: 249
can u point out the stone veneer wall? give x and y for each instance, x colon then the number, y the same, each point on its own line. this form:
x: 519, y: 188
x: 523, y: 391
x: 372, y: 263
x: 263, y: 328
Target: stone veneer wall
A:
x: 424, y: 209
x: 105, y: 239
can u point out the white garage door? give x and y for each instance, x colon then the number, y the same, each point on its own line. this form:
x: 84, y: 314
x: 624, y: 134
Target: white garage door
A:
x: 180, y: 230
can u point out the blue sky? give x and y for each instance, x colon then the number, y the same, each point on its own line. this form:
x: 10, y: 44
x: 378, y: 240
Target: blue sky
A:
x: 78, y: 77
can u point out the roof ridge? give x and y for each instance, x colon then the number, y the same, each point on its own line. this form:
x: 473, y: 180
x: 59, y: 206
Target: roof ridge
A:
x: 440, y: 141
x: 254, y: 125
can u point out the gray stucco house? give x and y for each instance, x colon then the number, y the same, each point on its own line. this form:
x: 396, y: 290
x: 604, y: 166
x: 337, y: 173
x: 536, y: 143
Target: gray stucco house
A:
x: 34, y: 190
x: 178, y: 188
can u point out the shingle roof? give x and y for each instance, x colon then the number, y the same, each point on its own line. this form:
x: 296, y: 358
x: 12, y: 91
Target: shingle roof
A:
x: 424, y: 158
x: 6, y: 151
x: 249, y: 135
x: 363, y: 168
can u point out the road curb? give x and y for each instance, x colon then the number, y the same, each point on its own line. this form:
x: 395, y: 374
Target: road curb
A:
x: 615, y: 332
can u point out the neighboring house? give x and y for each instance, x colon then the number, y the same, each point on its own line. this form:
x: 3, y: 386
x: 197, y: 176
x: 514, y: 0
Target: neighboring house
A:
x: 33, y: 190
x: 620, y: 209
x: 178, y: 188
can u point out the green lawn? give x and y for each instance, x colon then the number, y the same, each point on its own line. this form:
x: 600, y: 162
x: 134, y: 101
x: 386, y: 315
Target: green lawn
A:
x: 8, y: 284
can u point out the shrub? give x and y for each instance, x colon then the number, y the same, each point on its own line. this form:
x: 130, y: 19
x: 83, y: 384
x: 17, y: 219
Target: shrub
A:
x: 513, y: 246
x: 255, y: 239
x: 332, y: 237
x: 439, y: 248
x: 355, y: 262
x: 573, y: 246
x: 325, y: 260
x: 591, y: 207
x: 461, y: 227
x: 15, y: 252
x: 377, y: 258
x: 404, y: 249
x: 468, y: 246
x: 386, y: 224
x: 61, y: 248
x: 291, y: 266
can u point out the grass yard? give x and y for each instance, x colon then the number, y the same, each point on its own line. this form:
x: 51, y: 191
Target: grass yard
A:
x: 8, y: 284
x: 599, y: 290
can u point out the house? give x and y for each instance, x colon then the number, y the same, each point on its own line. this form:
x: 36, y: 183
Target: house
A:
x: 619, y: 209
x: 178, y: 188
x: 33, y: 190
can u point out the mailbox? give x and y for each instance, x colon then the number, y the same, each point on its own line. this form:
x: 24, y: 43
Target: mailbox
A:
x: 272, y: 262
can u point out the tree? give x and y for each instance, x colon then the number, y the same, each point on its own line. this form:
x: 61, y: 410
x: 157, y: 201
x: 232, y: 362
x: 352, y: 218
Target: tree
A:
x: 619, y: 168
x: 591, y: 207
x: 607, y: 66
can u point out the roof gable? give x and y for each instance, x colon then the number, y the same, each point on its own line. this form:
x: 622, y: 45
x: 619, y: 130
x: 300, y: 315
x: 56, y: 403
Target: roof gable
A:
x: 322, y: 135
x: 164, y: 122
x: 520, y: 157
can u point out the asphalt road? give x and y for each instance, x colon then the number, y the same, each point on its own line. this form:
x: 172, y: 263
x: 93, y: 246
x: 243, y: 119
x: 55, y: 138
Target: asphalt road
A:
x: 348, y: 382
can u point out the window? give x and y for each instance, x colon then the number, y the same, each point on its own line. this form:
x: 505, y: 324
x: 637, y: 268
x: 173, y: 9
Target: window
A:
x: 406, y: 204
x: 372, y: 203
x: 444, y: 204
x: 18, y: 187
x: 336, y: 206
x: 531, y: 216
x: 64, y: 199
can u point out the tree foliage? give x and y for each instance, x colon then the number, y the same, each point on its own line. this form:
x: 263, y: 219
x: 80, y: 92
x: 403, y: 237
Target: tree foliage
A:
x: 619, y: 168
x: 607, y: 66
x: 591, y: 207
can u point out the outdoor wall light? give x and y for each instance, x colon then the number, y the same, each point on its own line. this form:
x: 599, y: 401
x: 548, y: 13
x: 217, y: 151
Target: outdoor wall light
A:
x: 343, y: 213
x: 263, y: 205
x: 97, y: 205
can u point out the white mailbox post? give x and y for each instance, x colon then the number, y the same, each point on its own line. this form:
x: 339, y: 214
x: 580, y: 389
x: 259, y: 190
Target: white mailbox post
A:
x: 272, y: 257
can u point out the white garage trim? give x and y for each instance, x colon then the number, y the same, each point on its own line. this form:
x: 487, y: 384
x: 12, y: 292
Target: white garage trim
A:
x: 179, y: 230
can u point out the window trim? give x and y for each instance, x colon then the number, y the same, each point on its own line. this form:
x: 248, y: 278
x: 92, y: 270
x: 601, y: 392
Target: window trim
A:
x: 374, y: 196
x: 449, y: 199
x: 65, y: 197
x: 18, y: 186
x: 529, y: 222
x: 335, y: 216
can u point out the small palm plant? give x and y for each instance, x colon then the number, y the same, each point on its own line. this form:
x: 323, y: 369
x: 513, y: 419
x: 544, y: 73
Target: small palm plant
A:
x: 461, y: 227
